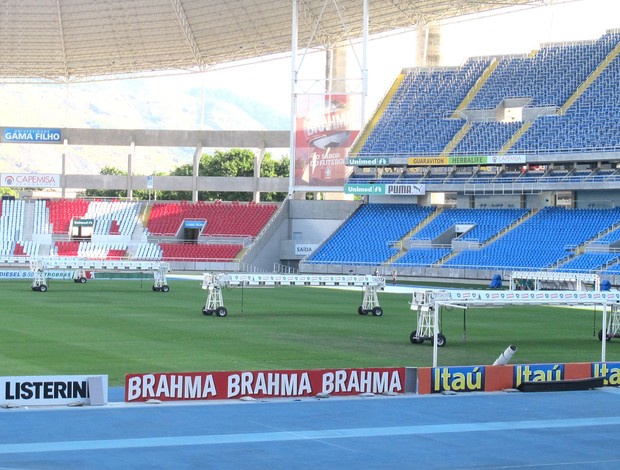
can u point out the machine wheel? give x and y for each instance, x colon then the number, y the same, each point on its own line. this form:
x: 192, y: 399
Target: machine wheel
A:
x: 156, y: 289
x: 414, y: 338
x: 360, y: 310
x: 600, y: 336
x: 441, y: 340
x: 221, y: 311
x: 207, y: 312
x: 42, y: 288
x: 165, y: 288
x: 377, y: 311
x: 82, y: 280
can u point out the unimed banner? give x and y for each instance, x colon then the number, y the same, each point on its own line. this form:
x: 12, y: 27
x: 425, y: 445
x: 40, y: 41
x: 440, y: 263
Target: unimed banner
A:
x: 325, y: 129
x: 170, y: 386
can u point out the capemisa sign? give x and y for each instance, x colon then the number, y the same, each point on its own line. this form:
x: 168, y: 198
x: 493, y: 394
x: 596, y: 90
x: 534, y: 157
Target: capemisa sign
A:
x: 29, y: 180
x: 36, y: 135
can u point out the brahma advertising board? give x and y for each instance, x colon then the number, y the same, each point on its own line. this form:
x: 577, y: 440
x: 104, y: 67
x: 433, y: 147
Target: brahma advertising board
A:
x: 169, y: 386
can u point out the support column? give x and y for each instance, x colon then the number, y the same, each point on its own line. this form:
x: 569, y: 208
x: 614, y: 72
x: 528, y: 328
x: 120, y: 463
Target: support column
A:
x: 130, y: 157
x: 258, y: 161
x: 63, y: 170
x: 429, y: 46
x: 196, y: 171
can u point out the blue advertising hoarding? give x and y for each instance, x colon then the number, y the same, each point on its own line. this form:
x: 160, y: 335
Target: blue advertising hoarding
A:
x: 37, y: 135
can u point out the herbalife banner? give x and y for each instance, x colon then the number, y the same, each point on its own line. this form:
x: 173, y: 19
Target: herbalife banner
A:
x: 385, y: 189
x: 325, y: 129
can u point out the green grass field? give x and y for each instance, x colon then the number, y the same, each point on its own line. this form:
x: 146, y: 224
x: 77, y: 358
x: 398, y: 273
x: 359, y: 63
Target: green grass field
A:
x: 118, y: 327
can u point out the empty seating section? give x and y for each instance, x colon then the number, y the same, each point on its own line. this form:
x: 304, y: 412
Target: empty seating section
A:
x: 418, y: 119
x: 609, y: 238
x: 84, y: 249
x: 588, y: 262
x: 548, y: 78
x: 422, y: 256
x: 367, y: 236
x: 480, y: 224
x: 414, y: 121
x: 591, y: 123
x: 12, y: 220
x: 199, y: 252
x: 67, y: 248
x: 539, y: 242
x: 63, y: 211
x: 12, y: 225
x: 486, y: 137
x: 41, y: 218
x: 232, y: 219
x: 149, y: 251
x: 121, y: 218
x: 113, y: 217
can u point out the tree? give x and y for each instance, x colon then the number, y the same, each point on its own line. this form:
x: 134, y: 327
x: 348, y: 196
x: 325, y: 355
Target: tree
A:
x: 231, y: 163
x: 9, y: 192
x: 240, y: 162
x: 111, y: 193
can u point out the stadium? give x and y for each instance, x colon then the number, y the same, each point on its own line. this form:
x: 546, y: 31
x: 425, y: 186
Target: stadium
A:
x: 512, y: 161
x: 461, y: 175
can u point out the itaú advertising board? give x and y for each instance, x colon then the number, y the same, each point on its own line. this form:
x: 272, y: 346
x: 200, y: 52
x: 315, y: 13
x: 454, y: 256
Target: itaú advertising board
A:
x: 171, y: 386
x: 53, y: 390
x: 29, y: 180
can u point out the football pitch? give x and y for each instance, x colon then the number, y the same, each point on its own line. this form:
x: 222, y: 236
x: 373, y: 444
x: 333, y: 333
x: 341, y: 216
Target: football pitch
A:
x: 116, y: 327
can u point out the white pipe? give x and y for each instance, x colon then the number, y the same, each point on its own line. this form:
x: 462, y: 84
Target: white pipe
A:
x: 505, y: 357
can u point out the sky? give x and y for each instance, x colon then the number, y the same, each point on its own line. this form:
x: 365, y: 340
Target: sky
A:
x: 173, y: 102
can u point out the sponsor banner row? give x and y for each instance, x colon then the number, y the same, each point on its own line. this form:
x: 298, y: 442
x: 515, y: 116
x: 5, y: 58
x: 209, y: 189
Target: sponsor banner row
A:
x: 496, y: 378
x: 385, y: 189
x: 29, y: 180
x: 548, y: 296
x: 28, y: 274
x: 54, y: 390
x: 193, y: 386
x: 437, y: 160
x: 467, y: 160
x: 169, y: 386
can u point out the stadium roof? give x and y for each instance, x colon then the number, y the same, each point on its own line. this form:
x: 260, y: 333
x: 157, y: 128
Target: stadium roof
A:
x: 76, y: 40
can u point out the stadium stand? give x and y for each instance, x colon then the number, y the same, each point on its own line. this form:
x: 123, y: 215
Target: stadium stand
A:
x: 232, y: 219
x: 368, y: 236
x: 203, y: 252
x: 63, y: 211
x: 421, y: 117
x: 564, y: 138
x: 542, y: 240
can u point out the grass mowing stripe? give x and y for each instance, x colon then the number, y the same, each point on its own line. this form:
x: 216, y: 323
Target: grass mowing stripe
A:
x: 118, y: 327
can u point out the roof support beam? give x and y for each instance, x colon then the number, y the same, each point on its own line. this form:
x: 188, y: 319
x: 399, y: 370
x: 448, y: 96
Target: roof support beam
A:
x: 189, y: 34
